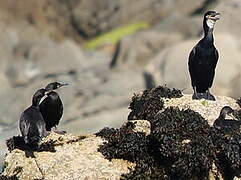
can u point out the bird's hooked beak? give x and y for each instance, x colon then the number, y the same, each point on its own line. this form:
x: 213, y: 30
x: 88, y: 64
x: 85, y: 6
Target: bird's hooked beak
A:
x: 64, y: 84
x: 231, y: 116
x: 214, y: 17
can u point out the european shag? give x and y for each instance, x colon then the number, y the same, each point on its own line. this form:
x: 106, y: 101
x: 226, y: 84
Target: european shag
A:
x: 52, y: 107
x: 203, y: 59
x: 227, y: 125
x: 32, y: 124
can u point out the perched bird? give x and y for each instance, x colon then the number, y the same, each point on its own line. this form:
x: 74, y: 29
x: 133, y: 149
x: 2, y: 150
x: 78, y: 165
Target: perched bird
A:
x: 203, y: 59
x: 52, y: 107
x: 32, y: 124
x: 227, y: 125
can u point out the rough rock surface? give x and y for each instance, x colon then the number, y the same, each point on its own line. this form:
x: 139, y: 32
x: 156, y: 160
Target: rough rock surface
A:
x: 210, y: 110
x: 77, y: 157
x: 78, y: 19
x: 30, y: 56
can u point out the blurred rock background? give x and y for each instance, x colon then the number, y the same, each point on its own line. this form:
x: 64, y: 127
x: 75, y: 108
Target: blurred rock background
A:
x: 106, y: 50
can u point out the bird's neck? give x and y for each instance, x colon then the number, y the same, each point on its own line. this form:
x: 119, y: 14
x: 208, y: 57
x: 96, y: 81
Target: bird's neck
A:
x: 208, y: 33
x: 222, y: 116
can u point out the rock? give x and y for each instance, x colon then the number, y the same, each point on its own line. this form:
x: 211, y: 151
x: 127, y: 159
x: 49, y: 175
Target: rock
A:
x: 78, y: 19
x: 135, y: 51
x: 229, y: 12
x: 76, y: 157
x: 214, y: 173
x: 210, y: 110
x: 190, y: 27
x: 236, y: 86
x: 142, y: 126
x: 91, y: 17
x: 94, y: 122
x: 170, y: 66
x: 52, y: 18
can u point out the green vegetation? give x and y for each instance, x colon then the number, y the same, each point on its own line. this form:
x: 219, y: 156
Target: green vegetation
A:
x: 204, y: 103
x: 115, y: 35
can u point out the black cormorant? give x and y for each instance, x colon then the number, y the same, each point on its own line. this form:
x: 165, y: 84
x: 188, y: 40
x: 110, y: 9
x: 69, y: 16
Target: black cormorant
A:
x: 203, y: 59
x: 227, y: 125
x: 32, y: 124
x: 52, y: 107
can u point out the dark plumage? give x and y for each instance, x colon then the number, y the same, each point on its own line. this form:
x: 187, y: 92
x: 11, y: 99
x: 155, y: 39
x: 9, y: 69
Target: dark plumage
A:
x: 227, y: 125
x: 52, y: 107
x: 32, y: 125
x: 203, y: 59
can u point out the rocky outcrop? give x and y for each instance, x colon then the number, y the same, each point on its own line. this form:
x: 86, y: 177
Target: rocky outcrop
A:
x: 101, y: 85
x: 73, y: 157
x: 79, y: 19
x: 92, y: 17
x: 119, y: 153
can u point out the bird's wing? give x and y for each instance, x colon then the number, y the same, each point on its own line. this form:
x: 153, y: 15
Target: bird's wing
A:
x: 191, y: 66
x: 24, y: 125
x: 192, y: 53
x: 41, y: 128
x: 216, y: 57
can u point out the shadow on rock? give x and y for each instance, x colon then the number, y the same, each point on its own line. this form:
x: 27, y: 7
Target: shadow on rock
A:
x: 17, y: 142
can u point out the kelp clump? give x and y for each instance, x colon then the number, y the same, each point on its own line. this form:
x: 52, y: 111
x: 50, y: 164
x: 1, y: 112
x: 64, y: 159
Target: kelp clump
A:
x: 123, y: 143
x: 126, y: 144
x: 146, y: 105
x: 181, y: 145
x: 2, y: 177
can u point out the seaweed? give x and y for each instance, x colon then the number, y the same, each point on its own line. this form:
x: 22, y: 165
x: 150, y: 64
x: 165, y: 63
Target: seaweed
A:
x: 123, y: 143
x: 146, y: 105
x: 184, y: 153
x: 182, y: 145
x: 17, y: 142
x: 2, y: 177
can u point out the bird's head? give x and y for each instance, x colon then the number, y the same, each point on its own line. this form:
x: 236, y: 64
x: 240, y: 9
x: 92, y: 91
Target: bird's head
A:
x: 227, y: 111
x: 54, y: 85
x: 38, y: 96
x: 40, y: 93
x: 210, y: 18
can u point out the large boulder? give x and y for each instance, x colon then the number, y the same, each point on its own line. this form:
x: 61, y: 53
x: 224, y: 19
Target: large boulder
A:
x: 93, y: 17
x: 135, y: 51
x: 78, y: 19
x: 73, y: 157
x: 230, y: 21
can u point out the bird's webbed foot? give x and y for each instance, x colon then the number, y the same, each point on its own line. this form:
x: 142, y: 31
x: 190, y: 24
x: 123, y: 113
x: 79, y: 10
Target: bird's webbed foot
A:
x: 198, y: 96
x: 46, y: 133
x: 210, y: 97
x: 58, y: 132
